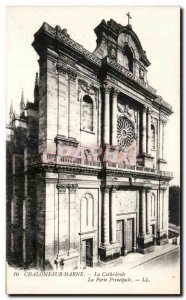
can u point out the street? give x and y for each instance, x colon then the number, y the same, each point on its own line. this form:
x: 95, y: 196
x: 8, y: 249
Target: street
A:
x: 169, y: 261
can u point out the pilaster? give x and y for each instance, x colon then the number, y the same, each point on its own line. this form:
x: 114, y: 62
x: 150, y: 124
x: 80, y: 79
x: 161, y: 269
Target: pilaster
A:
x: 106, y: 232
x: 114, y: 117
x: 162, y: 237
x: 145, y: 240
x: 113, y: 215
x: 148, y: 212
x: 106, y: 113
x: 73, y: 129
x: 149, y: 131
x: 67, y: 254
x: 63, y: 113
x: 109, y: 250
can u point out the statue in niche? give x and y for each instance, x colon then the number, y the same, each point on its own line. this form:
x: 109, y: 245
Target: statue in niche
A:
x: 112, y: 52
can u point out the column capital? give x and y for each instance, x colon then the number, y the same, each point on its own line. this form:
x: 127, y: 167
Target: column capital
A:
x: 106, y: 188
x: 72, y: 73
x: 61, y: 188
x: 149, y: 110
x: 163, y: 188
x: 145, y: 108
x: 115, y: 92
x: 163, y: 121
x: 61, y: 68
x: 72, y: 187
x: 113, y: 188
x: 106, y: 87
x: 148, y: 191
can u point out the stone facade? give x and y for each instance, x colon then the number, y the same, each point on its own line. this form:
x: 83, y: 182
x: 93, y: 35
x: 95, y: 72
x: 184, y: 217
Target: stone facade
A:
x: 86, y: 172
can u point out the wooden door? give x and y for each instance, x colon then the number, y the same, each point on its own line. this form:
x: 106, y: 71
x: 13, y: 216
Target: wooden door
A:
x: 89, y: 251
x: 119, y: 234
x: 129, y: 235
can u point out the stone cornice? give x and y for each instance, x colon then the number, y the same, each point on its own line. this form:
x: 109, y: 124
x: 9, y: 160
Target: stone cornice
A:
x: 77, y: 49
x: 121, y: 72
x: 107, y: 61
x: 163, y: 104
x: 61, y: 36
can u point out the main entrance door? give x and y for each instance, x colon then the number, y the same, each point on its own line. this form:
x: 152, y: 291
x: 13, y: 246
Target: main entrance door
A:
x: 124, y: 235
x: 129, y: 235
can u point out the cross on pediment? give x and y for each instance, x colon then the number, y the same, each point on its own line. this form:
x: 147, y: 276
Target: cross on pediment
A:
x: 129, y: 17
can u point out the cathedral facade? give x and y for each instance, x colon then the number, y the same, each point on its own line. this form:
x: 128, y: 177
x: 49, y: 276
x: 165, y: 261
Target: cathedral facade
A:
x: 86, y: 173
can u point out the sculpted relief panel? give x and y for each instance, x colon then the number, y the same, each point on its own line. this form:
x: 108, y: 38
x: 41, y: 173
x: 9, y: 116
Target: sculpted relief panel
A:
x: 126, y: 201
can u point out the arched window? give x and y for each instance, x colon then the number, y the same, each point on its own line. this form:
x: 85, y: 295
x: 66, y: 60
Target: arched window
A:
x: 128, y: 58
x: 87, y: 211
x: 87, y: 113
x: 153, y: 137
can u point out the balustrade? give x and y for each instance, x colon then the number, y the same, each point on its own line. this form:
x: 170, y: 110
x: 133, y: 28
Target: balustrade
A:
x: 51, y: 158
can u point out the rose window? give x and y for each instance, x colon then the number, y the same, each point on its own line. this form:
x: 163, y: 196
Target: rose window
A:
x: 125, y: 132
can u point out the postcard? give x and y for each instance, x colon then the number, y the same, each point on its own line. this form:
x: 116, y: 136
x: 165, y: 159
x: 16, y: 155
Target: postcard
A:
x: 93, y: 150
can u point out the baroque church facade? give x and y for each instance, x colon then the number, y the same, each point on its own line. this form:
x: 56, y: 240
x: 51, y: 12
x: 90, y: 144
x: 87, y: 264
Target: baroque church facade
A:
x: 86, y: 173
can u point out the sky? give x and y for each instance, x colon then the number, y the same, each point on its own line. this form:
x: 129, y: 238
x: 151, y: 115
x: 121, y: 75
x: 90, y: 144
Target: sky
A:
x: 156, y: 27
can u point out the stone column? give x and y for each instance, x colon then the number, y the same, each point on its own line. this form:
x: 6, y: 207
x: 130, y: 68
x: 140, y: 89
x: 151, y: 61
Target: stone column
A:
x: 149, y: 131
x: 138, y: 213
x: 135, y: 230
x: 125, y: 236
x: 114, y: 117
x: 165, y: 210
x: 143, y: 133
x: 106, y: 115
x: 143, y: 212
x: 113, y: 215
x: 160, y: 209
x: 72, y: 216
x: 148, y: 211
x: 106, y: 234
